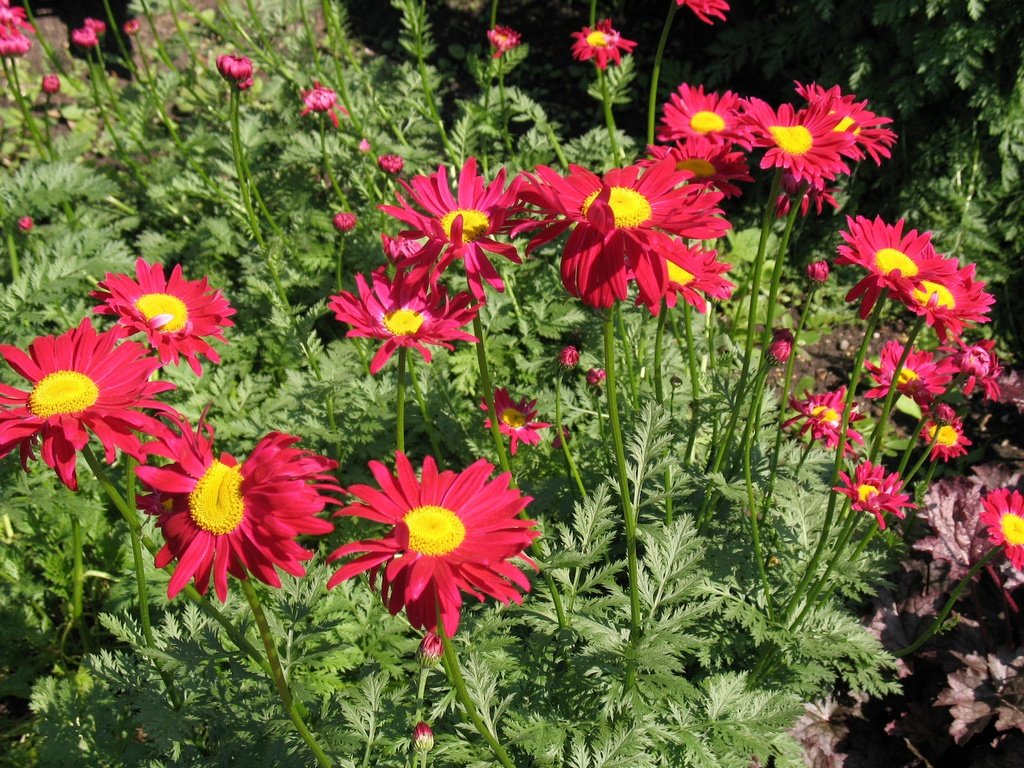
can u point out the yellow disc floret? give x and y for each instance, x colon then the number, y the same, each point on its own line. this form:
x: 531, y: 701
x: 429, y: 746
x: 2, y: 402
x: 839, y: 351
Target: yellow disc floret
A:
x: 62, y: 392
x: 866, y: 491
x: 474, y: 223
x: 513, y: 418
x: 697, y: 166
x: 706, y: 122
x: 170, y: 311
x: 216, y: 503
x: 906, y: 376
x: 1013, y: 528
x: 629, y: 207
x: 889, y: 260
x: 678, y: 275
x: 792, y: 139
x: 947, y: 435
x: 825, y: 414
x: 402, y: 322
x: 433, y: 531
x: 597, y: 39
x: 934, y: 295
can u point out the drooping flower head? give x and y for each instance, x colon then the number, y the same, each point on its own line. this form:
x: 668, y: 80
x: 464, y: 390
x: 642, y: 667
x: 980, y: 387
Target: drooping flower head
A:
x: 453, y: 532
x: 713, y: 164
x: 802, y: 142
x: 622, y: 226
x: 322, y: 100
x: 1004, y: 516
x: 13, y: 25
x: 895, y: 260
x: 946, y: 437
x: 460, y: 226
x: 602, y: 44
x: 854, y: 118
x: 516, y: 419
x: 82, y: 382
x: 823, y: 417
x: 705, y: 9
x: 690, y: 113
x: 952, y: 301
x: 221, y: 516
x: 921, y: 377
x: 695, y: 274
x: 177, y: 315
x: 502, y: 39
x: 978, y: 364
x: 874, y: 490
x: 595, y: 376
x: 404, y: 313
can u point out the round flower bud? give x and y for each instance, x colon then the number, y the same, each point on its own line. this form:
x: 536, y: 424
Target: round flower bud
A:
x: 25, y: 224
x: 943, y: 413
x: 431, y: 650
x: 423, y: 737
x: 51, y: 84
x: 364, y: 146
x: 392, y: 164
x: 595, y: 376
x: 781, y: 346
x: 569, y: 357
x: 344, y: 221
x: 131, y: 27
x: 235, y: 69
x: 818, y: 271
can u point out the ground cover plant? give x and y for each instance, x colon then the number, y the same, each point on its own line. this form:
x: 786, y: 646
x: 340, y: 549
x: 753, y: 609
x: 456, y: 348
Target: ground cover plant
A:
x: 351, y: 417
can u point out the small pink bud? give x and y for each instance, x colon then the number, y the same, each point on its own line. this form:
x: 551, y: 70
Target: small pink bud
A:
x: 25, y: 224
x: 781, y: 346
x: 344, y: 221
x: 51, y: 84
x: 235, y: 69
x: 556, y: 441
x: 569, y: 357
x: 423, y: 737
x: 944, y: 414
x: 431, y: 650
x: 818, y: 271
x: 97, y: 26
x: 595, y: 376
x: 131, y: 27
x: 364, y: 145
x: 392, y: 164
x: 85, y: 37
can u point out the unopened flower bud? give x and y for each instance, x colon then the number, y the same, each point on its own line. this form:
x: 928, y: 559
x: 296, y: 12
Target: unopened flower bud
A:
x: 423, y: 737
x: 364, y: 145
x: 556, y: 441
x: 595, y: 376
x: 51, y: 84
x: 235, y: 69
x: 569, y: 357
x: 431, y: 650
x: 392, y: 164
x: 818, y: 271
x: 25, y: 224
x: 944, y: 414
x: 131, y: 27
x: 781, y: 346
x: 344, y: 221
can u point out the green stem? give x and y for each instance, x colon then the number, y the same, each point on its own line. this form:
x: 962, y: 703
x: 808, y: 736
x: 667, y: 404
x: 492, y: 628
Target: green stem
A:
x: 563, y: 439
x: 451, y: 665
x: 280, y: 683
x: 240, y: 170
x: 488, y: 395
x: 555, y: 144
x: 747, y: 441
x: 400, y: 400
x: 659, y: 335
x: 428, y: 92
x: 11, y: 71
x: 652, y: 101
x: 77, y: 584
x: 12, y: 252
x: 329, y: 169
x: 609, y: 119
x: 890, y: 397
x: 627, y: 352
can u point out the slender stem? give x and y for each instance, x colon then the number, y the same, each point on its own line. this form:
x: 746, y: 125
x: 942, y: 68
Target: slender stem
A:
x: 451, y: 666
x: 240, y: 170
x: 752, y: 426
x: 883, y: 420
x: 280, y: 683
x: 488, y: 395
x: 11, y: 71
x: 328, y: 168
x: 627, y: 352
x: 428, y: 92
x: 659, y: 334
x: 400, y: 400
x: 12, y: 252
x: 555, y: 144
x: 609, y: 119
x: 77, y: 584
x: 563, y: 439
x: 652, y: 101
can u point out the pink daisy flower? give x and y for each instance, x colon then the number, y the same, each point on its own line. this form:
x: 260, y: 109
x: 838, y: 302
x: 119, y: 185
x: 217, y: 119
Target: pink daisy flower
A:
x: 690, y: 113
x: 823, y: 416
x: 515, y: 419
x: 323, y: 100
x: 502, y: 39
x: 693, y: 274
x: 177, y: 315
x: 705, y: 9
x: 947, y: 439
x: 854, y: 118
x: 602, y: 44
x: 712, y: 164
x: 1004, y: 516
x: 921, y: 378
x: 978, y: 364
x: 404, y: 313
x: 952, y: 301
x: 873, y: 490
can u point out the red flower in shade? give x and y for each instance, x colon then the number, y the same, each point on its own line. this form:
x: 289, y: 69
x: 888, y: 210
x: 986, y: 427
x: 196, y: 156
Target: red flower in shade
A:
x: 1004, y: 516
x: 82, y: 382
x: 874, y: 491
x: 946, y: 439
x: 219, y: 516
x: 177, y: 315
x: 979, y: 364
x: 690, y: 113
x: 694, y: 273
x: 602, y: 44
x: 894, y: 260
x: 712, y: 164
x: 802, y: 142
x: 621, y: 226
x: 404, y: 313
x: 952, y: 301
x: 462, y: 226
x: 323, y: 100
x: 453, y: 533
x: 854, y: 118
x: 515, y: 419
x: 921, y: 378
x: 13, y: 41
x: 823, y: 416
x: 502, y: 40
x: 705, y: 9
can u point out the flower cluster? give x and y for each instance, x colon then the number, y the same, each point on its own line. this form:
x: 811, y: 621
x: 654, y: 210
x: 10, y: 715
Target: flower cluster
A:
x: 89, y: 34
x: 13, y: 25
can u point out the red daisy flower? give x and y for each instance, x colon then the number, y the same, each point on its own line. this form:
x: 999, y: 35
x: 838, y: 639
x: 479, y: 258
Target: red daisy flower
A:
x: 894, y: 260
x: 949, y: 302
x: 854, y: 118
x: 602, y: 44
x: 621, y: 225
x: 694, y: 273
x: 502, y: 40
x: 873, y: 490
x: 802, y: 142
x: 82, y: 382
x: 515, y: 419
x: 979, y: 364
x: 690, y: 113
x: 13, y: 41
x: 323, y: 100
x: 704, y: 9
x: 921, y: 378
x: 823, y: 416
x: 453, y: 533
x: 459, y: 227
x: 1004, y: 516
x: 177, y: 315
x: 712, y: 164
x: 219, y: 516
x: 404, y: 313
x: 946, y: 439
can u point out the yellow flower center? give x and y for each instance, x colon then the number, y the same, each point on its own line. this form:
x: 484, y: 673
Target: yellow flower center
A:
x: 865, y: 492
x: 678, y: 275
x: 1013, y: 529
x: 934, y: 294
x: 169, y: 312
x: 403, y: 322
x: 597, y: 39
x: 906, y: 376
x: 697, y: 166
x: 792, y: 139
x: 474, y: 223
x: 513, y: 418
x: 947, y: 435
x: 629, y: 207
x: 889, y: 260
x: 433, y: 531
x: 843, y: 125
x: 706, y: 122
x: 824, y: 413
x: 216, y: 503
x: 62, y: 392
